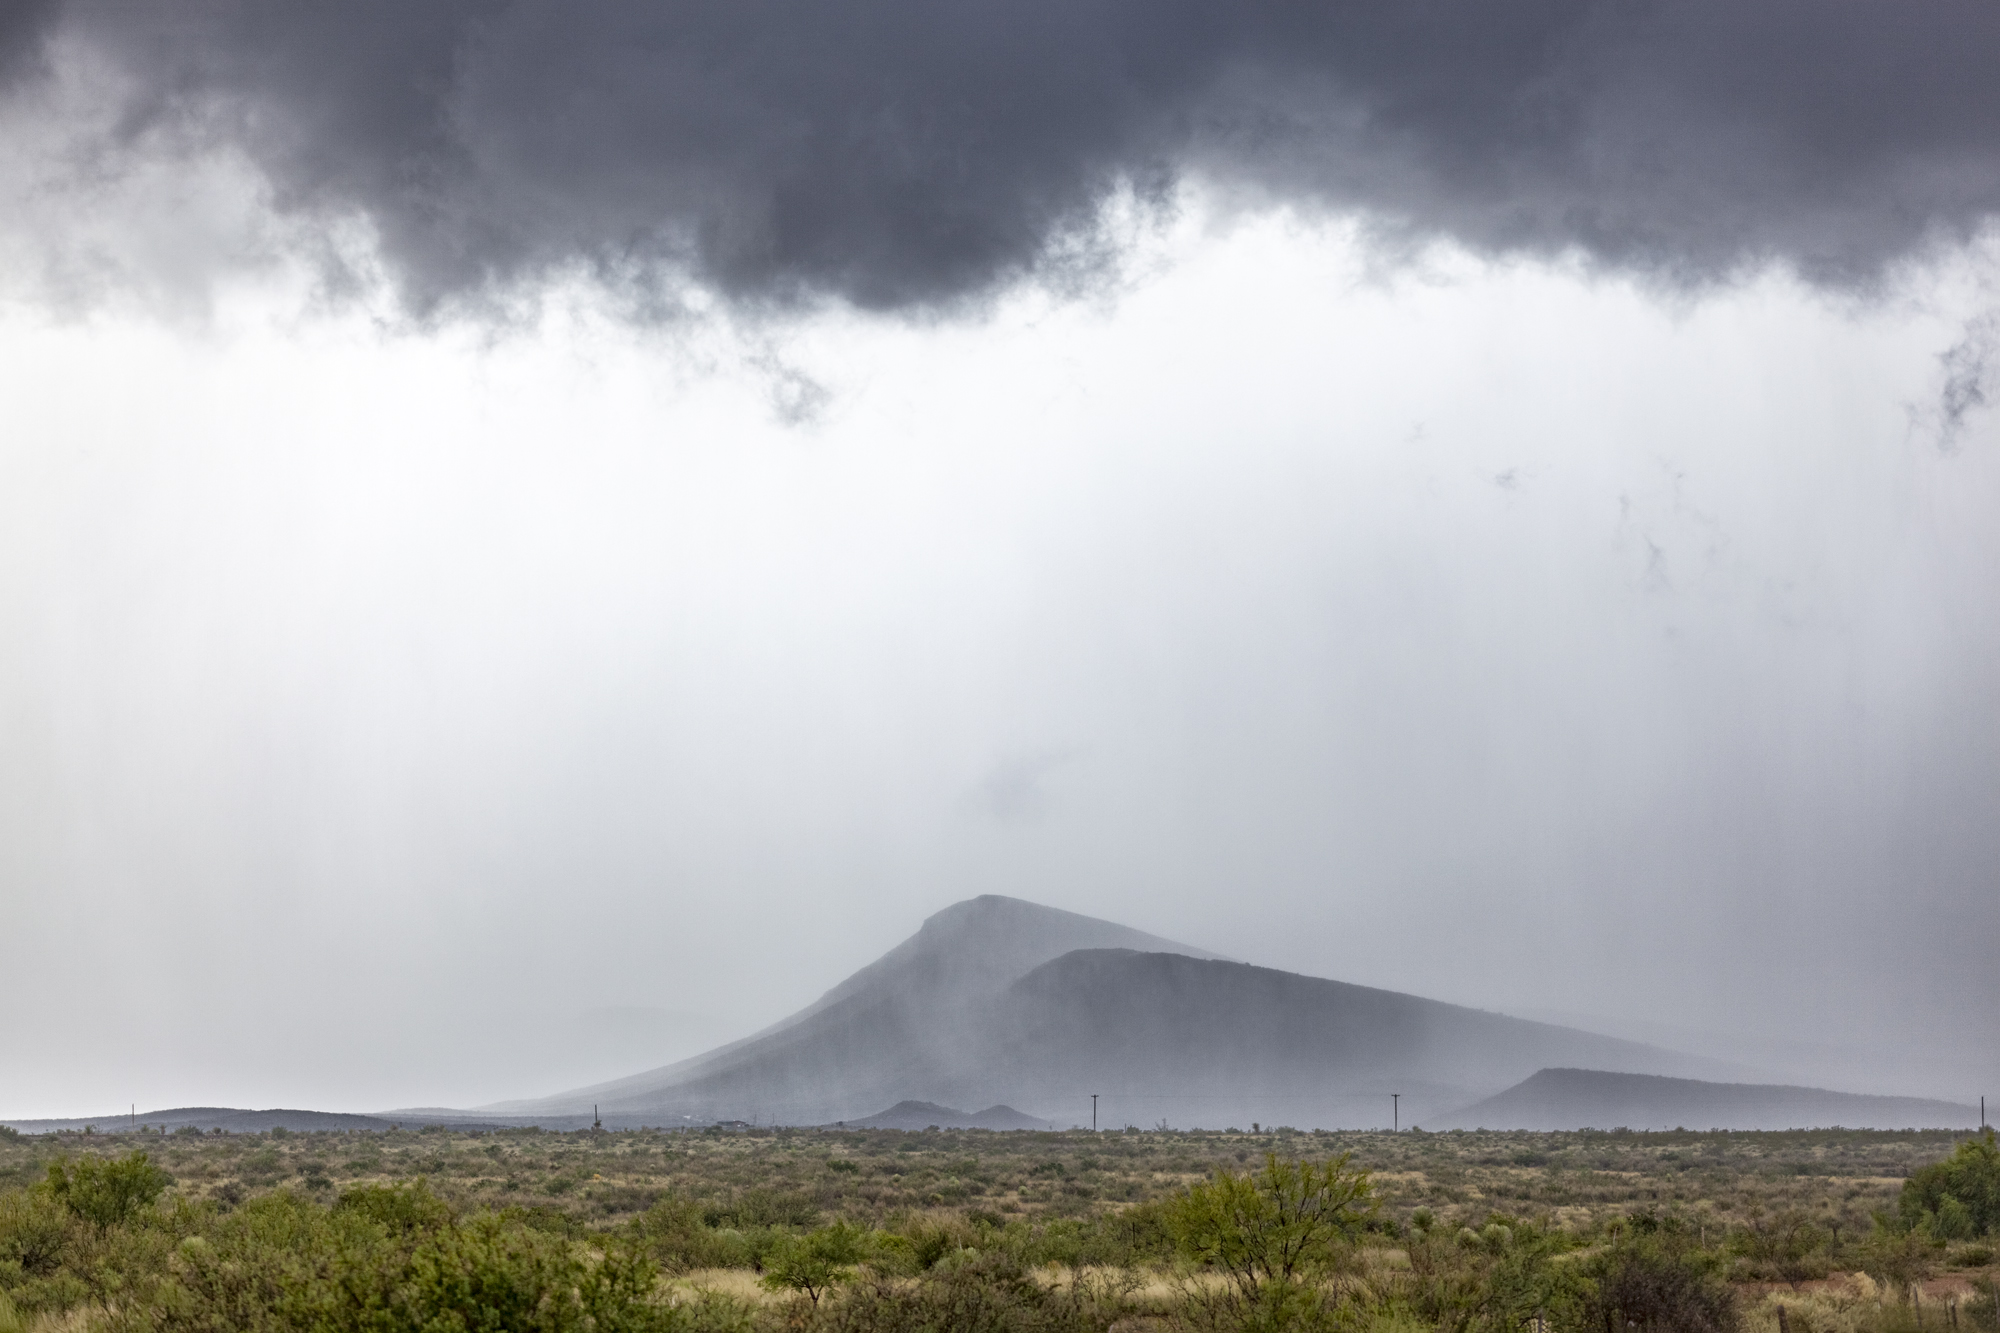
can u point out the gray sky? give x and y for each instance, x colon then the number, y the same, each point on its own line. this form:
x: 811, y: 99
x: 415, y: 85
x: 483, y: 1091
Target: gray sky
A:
x: 526, y: 551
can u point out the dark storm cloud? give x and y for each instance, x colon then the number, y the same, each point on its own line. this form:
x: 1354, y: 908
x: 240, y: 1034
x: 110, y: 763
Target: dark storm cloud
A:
x: 913, y: 153
x: 22, y: 25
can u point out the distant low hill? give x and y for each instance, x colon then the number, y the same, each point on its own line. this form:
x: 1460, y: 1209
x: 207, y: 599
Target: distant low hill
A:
x: 1557, y: 1099
x: 929, y: 1115
x: 229, y: 1119
x: 1000, y: 1001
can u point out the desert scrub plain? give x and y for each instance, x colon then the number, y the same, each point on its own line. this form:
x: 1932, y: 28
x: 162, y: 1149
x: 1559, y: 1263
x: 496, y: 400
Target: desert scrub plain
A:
x: 853, y: 1231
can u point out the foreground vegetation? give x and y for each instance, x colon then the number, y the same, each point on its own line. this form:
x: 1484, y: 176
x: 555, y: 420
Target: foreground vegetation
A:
x: 846, y: 1232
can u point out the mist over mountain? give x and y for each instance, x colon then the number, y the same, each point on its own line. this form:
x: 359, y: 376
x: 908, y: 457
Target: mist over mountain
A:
x: 998, y: 1002
x: 1053, y: 1020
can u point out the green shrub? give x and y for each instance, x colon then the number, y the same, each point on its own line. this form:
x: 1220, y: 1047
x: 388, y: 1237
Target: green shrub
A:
x: 396, y: 1259
x: 54, y: 1294
x: 1952, y: 1220
x: 488, y: 1275
x: 929, y: 1240
x: 1788, y: 1248
x: 1528, y: 1275
x: 676, y: 1234
x: 1274, y: 1227
x: 983, y: 1293
x: 277, y: 1263
x: 1959, y: 1197
x: 541, y: 1217
x: 1898, y: 1256
x: 1138, y: 1235
x: 1495, y: 1278
x: 1653, y: 1286
x: 34, y: 1232
x: 401, y: 1210
x: 816, y: 1262
x: 105, y: 1191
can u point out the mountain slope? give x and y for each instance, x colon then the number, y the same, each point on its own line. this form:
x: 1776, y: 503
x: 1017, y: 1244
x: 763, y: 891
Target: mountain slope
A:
x: 1596, y: 1099
x: 1214, y: 1043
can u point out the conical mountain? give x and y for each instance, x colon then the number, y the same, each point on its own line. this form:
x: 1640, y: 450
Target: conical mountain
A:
x: 999, y: 1002
x: 899, y: 1029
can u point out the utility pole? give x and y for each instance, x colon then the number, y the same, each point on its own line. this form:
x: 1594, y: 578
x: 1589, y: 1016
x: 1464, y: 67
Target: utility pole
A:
x: 1395, y: 1113
x: 1093, y: 1113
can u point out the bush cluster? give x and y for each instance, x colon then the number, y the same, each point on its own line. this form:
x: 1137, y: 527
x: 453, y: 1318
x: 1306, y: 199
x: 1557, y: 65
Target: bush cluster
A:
x: 104, y: 1241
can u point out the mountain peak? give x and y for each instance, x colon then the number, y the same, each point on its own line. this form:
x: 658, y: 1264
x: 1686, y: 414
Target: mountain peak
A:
x: 981, y: 945
x: 994, y: 917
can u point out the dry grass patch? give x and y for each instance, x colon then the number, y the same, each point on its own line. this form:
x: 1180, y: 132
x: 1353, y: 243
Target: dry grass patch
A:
x: 736, y: 1283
